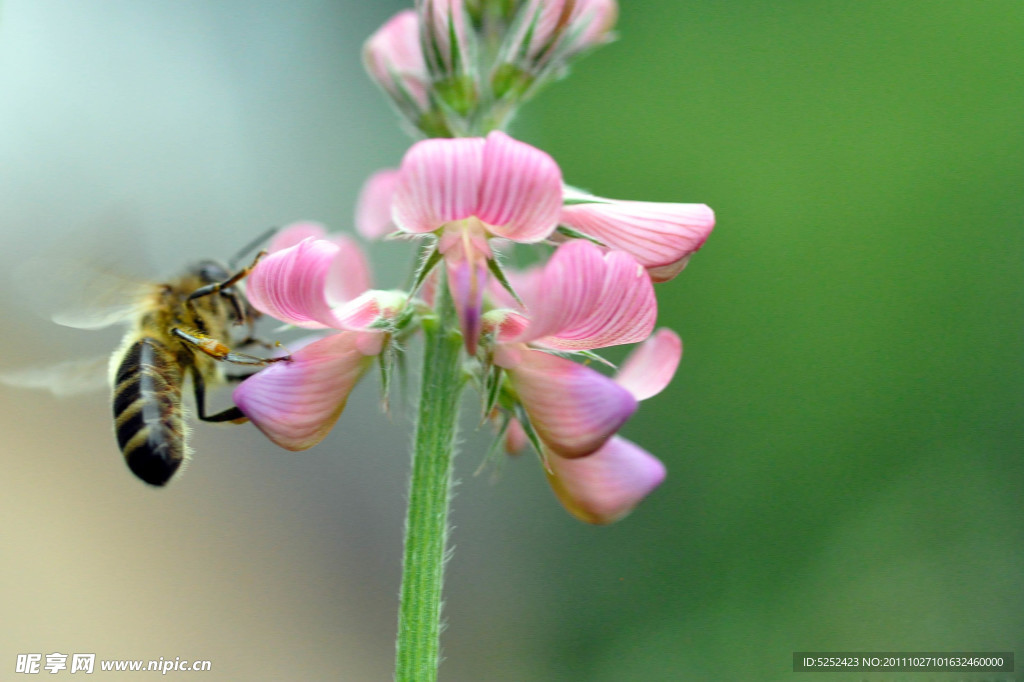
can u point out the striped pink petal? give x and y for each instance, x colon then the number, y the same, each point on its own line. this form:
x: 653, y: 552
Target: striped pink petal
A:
x: 442, y: 20
x: 290, y: 284
x: 625, y: 313
x: 349, y: 275
x: 605, y: 486
x: 589, y: 299
x: 574, y: 25
x: 515, y: 189
x: 393, y: 58
x: 292, y: 234
x: 362, y: 312
x: 573, y: 408
x: 660, y: 236
x: 521, y: 190
x: 373, y: 209
x: 651, y: 366
x: 438, y: 182
x: 566, y: 291
x: 301, y: 284
x: 466, y: 281
x: 296, y: 403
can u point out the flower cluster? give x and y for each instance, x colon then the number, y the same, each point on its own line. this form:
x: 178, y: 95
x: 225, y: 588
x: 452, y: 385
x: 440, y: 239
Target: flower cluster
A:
x: 455, y: 68
x: 460, y: 67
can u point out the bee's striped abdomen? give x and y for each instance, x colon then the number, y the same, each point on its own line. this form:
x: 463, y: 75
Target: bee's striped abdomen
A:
x: 147, y: 411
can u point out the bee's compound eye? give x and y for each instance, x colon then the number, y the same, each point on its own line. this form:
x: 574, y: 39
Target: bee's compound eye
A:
x: 211, y: 272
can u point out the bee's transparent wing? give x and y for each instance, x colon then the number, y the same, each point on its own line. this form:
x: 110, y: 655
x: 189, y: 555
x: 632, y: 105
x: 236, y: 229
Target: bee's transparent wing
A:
x: 81, y: 294
x: 62, y: 379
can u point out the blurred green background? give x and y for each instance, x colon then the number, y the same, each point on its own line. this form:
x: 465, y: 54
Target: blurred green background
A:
x: 844, y: 438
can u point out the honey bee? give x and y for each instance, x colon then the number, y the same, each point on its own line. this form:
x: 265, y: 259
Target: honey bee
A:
x: 178, y: 332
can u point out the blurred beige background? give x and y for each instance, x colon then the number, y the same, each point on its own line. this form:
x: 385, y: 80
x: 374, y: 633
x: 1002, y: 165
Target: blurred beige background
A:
x: 196, y: 125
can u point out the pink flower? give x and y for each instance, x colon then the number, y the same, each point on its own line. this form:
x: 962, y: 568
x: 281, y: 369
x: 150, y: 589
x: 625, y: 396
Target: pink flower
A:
x: 585, y: 299
x: 606, y: 484
x: 394, y: 59
x: 661, y: 236
x: 468, y: 191
x: 307, y: 277
x: 315, y: 283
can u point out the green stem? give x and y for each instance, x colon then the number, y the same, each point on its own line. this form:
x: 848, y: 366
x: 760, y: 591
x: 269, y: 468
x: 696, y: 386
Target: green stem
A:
x: 417, y: 653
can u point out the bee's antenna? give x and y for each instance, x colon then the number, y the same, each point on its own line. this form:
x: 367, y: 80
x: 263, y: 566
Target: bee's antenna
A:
x: 264, y: 236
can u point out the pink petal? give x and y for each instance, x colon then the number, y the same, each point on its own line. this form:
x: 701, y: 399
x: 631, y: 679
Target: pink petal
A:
x: 651, y: 366
x: 438, y: 182
x: 466, y: 251
x: 664, y: 273
x: 373, y: 210
x: 292, y: 234
x: 303, y: 283
x: 606, y: 485
x: 442, y: 18
x: 625, y: 313
x: 467, y: 279
x: 521, y: 190
x: 591, y: 300
x: 573, y: 408
x: 597, y: 17
x: 393, y: 57
x: 656, y: 234
x: 362, y: 312
x: 290, y: 284
x: 349, y: 275
x: 544, y: 20
x: 296, y: 403
x: 506, y: 325
x: 566, y: 291
x: 573, y: 26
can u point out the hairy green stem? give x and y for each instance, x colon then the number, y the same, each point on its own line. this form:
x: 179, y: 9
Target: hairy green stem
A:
x: 417, y: 653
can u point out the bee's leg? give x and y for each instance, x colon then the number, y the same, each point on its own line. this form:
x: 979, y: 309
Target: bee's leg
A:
x: 218, y: 351
x: 256, y: 341
x: 217, y: 287
x: 241, y: 314
x: 232, y: 414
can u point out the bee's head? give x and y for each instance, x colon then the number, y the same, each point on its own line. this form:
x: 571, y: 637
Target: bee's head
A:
x: 210, y: 272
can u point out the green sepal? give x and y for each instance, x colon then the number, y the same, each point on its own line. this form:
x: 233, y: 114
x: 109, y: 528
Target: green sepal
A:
x: 426, y: 265
x: 576, y: 234
x: 459, y: 93
x: 510, y: 81
x: 386, y: 361
x: 592, y: 356
x: 493, y: 453
x: 499, y: 274
x: 531, y: 434
x: 492, y: 389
